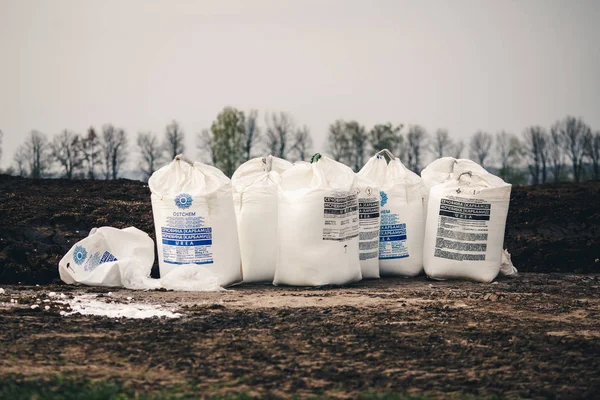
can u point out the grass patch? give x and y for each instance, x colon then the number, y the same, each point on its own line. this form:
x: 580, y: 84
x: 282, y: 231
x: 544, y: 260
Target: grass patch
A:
x: 60, y: 388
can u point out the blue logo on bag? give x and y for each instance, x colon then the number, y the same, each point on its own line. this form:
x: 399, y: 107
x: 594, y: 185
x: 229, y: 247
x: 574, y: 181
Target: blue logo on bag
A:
x: 384, y: 198
x: 79, y: 255
x: 183, y: 200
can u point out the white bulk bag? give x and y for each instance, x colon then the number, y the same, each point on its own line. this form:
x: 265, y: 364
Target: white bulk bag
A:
x: 465, y: 225
x: 255, y: 199
x: 442, y: 169
x: 318, y: 225
x: 111, y: 257
x: 194, y: 219
x: 402, y: 223
x: 368, y: 227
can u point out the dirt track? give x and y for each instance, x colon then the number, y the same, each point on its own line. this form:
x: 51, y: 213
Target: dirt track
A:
x: 534, y: 336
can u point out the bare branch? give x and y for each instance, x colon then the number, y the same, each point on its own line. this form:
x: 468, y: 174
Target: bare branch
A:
x: 252, y: 134
x: 174, y: 140
x: 65, y: 149
x: 302, y: 144
x: 509, y: 151
x: 536, y: 148
x: 480, y: 146
x: 416, y: 139
x: 280, y: 128
x: 574, y: 132
x: 441, y: 143
x: 150, y: 152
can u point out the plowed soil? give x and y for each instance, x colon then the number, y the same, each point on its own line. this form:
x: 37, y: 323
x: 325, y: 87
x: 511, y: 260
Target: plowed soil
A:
x: 550, y: 228
x: 534, y: 336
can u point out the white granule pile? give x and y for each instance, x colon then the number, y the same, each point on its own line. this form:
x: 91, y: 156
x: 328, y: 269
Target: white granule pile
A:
x: 87, y: 305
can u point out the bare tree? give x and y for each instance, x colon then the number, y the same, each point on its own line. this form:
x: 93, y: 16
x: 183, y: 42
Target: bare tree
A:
x: 65, y: 149
x: 416, y: 139
x: 91, y: 149
x: 556, y: 154
x: 574, y: 132
x: 174, y: 140
x: 207, y: 147
x: 339, y: 141
x: 36, y: 150
x: 508, y: 150
x: 302, y: 144
x: 536, y: 148
x: 457, y: 149
x: 480, y: 146
x: 593, y: 152
x: 441, y: 143
x: 252, y: 134
x: 150, y: 152
x: 21, y: 160
x: 387, y: 136
x: 280, y: 130
x: 114, y: 150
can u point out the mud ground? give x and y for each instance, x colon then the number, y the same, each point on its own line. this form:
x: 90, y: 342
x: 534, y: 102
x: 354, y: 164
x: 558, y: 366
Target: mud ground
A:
x: 550, y: 228
x: 536, y: 336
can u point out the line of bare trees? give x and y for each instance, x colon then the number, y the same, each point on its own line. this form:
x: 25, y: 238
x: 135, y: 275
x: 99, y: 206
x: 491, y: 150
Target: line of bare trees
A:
x: 568, y: 150
x: 96, y: 154
x: 234, y: 137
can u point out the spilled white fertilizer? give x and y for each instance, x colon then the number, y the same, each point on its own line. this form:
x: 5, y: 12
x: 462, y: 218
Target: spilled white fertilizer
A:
x: 87, y: 305
x: 2, y: 291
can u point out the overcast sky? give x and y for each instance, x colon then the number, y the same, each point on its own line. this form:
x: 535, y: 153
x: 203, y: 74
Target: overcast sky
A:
x: 461, y: 65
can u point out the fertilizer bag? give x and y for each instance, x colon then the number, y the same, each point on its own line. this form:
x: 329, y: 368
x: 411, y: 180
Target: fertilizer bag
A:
x: 318, y: 225
x: 368, y: 227
x: 194, y: 219
x: 441, y: 170
x: 402, y: 223
x: 255, y: 199
x: 465, y: 225
x: 111, y: 257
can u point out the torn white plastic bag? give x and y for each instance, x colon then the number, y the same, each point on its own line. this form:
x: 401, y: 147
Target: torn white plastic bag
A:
x: 111, y: 257
x: 124, y: 258
x: 507, y: 268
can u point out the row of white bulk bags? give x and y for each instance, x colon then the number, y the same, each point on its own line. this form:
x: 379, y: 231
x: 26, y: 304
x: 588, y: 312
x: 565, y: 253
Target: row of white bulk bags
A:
x: 466, y: 217
x: 255, y: 199
x: 195, y: 220
x: 318, y: 225
x: 402, y: 223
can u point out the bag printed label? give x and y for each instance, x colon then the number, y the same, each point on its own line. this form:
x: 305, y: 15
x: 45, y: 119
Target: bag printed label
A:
x: 186, y: 239
x: 368, y: 217
x: 462, y: 231
x: 80, y: 257
x: 392, y: 237
x: 340, y: 217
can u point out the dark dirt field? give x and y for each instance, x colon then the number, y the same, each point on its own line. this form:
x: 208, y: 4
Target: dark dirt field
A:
x: 536, y: 336
x: 550, y: 228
